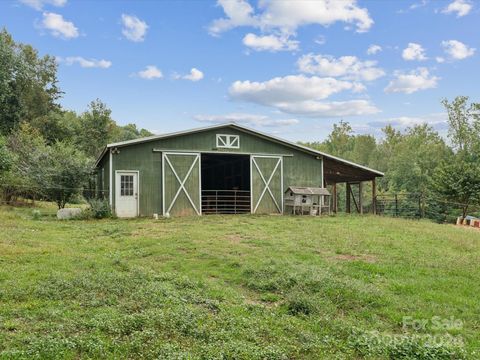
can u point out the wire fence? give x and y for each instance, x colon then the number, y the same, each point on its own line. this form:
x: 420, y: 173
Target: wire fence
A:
x: 422, y: 206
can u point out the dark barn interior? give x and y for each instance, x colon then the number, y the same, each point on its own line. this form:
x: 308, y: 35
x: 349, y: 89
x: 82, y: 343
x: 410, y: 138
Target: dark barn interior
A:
x: 225, y: 184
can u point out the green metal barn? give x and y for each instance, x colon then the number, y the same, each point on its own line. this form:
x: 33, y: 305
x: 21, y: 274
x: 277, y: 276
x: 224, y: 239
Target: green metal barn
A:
x: 225, y: 168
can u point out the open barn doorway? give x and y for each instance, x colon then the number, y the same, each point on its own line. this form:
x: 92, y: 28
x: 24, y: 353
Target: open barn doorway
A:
x: 225, y: 184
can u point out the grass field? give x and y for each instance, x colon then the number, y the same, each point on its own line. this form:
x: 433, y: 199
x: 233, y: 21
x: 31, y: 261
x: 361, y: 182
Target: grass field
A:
x: 237, y: 287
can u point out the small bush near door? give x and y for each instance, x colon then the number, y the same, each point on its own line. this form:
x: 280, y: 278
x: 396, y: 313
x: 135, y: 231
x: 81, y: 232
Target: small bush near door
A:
x: 98, y: 209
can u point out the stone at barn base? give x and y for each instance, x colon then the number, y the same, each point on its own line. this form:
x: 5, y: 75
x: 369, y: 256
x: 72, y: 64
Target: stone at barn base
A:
x: 64, y: 214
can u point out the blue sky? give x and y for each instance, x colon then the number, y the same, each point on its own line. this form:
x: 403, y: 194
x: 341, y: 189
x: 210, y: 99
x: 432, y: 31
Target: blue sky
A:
x: 292, y: 68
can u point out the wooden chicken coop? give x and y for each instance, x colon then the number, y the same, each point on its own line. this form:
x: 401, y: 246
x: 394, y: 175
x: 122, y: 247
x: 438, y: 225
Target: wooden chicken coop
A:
x: 307, y: 201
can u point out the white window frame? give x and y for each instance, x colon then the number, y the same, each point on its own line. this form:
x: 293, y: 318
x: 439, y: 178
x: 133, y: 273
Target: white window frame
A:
x: 228, y: 141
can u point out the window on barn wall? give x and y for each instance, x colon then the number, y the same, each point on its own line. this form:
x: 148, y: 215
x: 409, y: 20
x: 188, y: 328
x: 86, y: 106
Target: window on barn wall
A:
x: 228, y: 141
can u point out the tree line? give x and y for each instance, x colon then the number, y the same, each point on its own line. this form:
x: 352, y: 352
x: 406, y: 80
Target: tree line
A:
x: 48, y: 152
x: 419, y: 160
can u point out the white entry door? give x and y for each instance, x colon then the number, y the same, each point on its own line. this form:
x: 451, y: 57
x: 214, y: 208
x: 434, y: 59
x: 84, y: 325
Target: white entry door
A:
x: 126, y: 194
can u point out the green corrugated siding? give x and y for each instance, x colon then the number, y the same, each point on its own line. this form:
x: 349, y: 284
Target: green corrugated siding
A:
x: 301, y: 169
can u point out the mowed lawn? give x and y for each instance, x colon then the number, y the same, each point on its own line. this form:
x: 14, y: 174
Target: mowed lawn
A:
x: 236, y: 287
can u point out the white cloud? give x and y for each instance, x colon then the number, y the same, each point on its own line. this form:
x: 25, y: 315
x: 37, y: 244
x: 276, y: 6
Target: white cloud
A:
x: 329, y: 109
x: 195, y: 75
x: 415, y: 80
x: 250, y: 119
x: 238, y: 13
x: 414, y: 52
x: 271, y: 43
x: 436, y: 120
x: 348, y: 67
x: 150, y: 72
x: 134, y: 29
x: 373, y: 49
x: 299, y: 94
x: 440, y: 59
x: 88, y: 63
x: 287, y: 16
x: 457, y: 50
x: 58, y: 26
x: 39, y: 4
x: 461, y: 7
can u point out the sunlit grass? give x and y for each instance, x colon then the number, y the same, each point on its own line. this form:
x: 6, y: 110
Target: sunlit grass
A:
x: 231, y: 287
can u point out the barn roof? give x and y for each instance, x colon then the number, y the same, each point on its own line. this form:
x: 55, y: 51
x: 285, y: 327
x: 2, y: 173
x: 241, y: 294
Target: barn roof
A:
x: 339, y: 169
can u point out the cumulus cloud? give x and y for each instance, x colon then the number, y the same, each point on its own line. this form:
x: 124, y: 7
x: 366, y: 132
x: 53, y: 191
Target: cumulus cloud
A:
x: 413, y: 81
x: 271, y: 43
x: 348, y: 67
x: 460, y: 7
x: 414, y: 52
x: 373, y: 49
x: 88, y: 63
x: 299, y: 94
x: 287, y: 16
x: 134, y: 29
x: 457, y: 50
x: 151, y: 72
x: 39, y: 4
x: 249, y: 119
x: 58, y: 26
x: 195, y: 75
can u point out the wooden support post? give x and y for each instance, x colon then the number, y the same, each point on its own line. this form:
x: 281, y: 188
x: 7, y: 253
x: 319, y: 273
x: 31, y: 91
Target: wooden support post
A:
x: 360, y: 198
x: 374, y: 197
x: 347, y: 198
x: 334, y: 198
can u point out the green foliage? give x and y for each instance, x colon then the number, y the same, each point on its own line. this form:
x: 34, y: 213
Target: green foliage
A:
x: 30, y: 158
x: 129, y: 132
x: 65, y: 174
x: 458, y: 181
x: 411, y: 158
x: 98, y: 209
x: 6, y: 158
x: 96, y: 128
x: 36, y: 214
x: 464, y: 124
x: 28, y: 83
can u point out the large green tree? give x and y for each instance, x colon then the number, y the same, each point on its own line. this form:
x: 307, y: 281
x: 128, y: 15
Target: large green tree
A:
x: 65, y: 174
x: 458, y: 181
x: 96, y: 128
x: 463, y: 124
x: 28, y: 83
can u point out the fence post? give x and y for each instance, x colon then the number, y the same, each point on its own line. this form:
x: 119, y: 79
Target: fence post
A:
x: 396, y: 205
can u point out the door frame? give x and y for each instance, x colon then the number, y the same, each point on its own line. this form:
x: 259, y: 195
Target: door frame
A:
x: 137, y: 172
x: 198, y: 159
x: 279, y: 157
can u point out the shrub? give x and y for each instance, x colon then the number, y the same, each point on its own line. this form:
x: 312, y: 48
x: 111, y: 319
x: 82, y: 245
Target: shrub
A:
x: 99, y: 208
x: 36, y: 214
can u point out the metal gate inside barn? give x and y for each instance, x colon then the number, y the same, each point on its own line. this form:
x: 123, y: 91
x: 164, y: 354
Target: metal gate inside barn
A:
x: 212, y: 183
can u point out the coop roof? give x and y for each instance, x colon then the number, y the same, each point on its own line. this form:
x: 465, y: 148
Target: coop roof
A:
x: 300, y: 190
